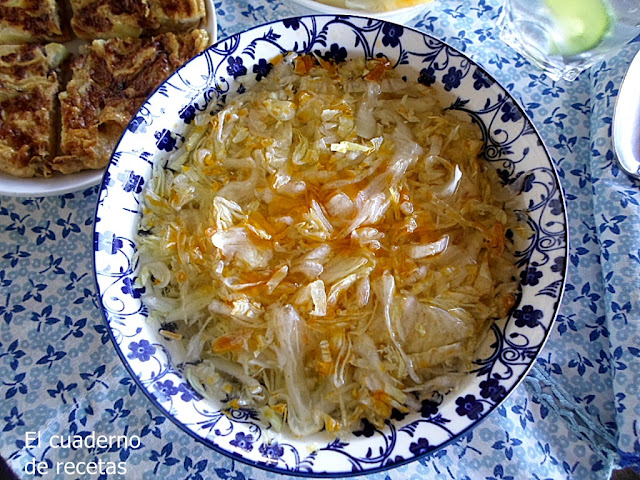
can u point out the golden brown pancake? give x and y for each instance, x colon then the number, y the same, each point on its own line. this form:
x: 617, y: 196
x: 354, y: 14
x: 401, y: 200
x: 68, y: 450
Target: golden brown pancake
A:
x: 110, y: 82
x: 24, y: 21
x: 119, y: 18
x: 177, y: 15
x: 28, y: 106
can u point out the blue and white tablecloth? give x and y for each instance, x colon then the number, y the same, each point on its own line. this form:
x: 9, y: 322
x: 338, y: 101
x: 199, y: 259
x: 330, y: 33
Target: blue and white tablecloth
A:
x: 576, y: 416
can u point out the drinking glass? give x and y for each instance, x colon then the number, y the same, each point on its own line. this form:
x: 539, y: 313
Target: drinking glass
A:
x: 564, y: 37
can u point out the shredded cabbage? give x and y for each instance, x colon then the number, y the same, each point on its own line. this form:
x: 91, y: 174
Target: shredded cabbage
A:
x: 330, y: 244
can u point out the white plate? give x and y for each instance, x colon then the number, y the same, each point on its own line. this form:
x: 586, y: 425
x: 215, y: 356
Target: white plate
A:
x: 626, y: 121
x: 61, y: 184
x: 46, y: 187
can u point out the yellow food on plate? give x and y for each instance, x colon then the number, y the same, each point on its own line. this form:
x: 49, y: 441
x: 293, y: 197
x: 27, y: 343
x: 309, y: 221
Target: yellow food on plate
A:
x: 331, y: 245
x: 114, y: 18
x: 23, y: 21
x: 49, y: 126
x: 29, y: 84
x: 374, y: 5
x: 110, y: 82
x: 177, y: 15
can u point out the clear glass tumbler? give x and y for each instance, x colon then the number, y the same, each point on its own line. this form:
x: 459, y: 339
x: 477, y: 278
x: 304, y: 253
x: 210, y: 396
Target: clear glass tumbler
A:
x: 564, y: 37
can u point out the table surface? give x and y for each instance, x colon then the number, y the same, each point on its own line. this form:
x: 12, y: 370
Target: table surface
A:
x: 577, y: 415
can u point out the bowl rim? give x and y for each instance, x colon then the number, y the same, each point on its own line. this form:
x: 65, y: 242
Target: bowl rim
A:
x: 391, y: 464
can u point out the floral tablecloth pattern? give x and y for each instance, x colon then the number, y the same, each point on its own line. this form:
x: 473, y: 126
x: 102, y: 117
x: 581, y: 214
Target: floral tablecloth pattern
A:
x: 576, y: 416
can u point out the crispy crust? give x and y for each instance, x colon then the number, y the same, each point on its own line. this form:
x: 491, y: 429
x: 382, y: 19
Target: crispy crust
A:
x: 31, y: 21
x: 109, y: 18
x: 177, y: 15
x: 22, y: 66
x: 28, y: 105
x: 118, y: 18
x: 109, y: 84
x: 27, y: 133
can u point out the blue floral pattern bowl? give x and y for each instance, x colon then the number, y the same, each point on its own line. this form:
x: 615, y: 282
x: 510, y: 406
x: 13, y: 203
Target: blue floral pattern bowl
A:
x: 511, y: 144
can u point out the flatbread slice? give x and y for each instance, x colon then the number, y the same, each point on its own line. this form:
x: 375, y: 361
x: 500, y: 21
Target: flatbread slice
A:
x: 110, y: 82
x: 176, y: 15
x: 93, y: 19
x: 28, y: 105
x: 23, y: 21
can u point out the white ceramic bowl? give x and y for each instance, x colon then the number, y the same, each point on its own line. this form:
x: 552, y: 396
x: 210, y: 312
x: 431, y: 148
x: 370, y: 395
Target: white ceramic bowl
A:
x: 401, y: 15
x: 511, y: 144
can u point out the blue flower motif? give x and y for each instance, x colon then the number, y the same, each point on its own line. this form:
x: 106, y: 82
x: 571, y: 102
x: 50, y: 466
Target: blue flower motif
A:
x: 141, y: 351
x: 482, y: 80
x: 13, y: 420
x: 397, y: 415
x: 452, y: 78
x: 558, y: 264
x: 135, y: 123
x: 292, y: 23
x: 244, y: 442
x: 163, y: 457
x: 236, y: 68
x: 429, y: 408
x: 106, y: 242
x: 166, y: 390
x: 336, y: 53
x: 510, y: 113
x: 392, y: 461
x: 507, y: 445
x: 262, y: 69
x: 556, y: 206
x: 469, y: 406
x: 165, y: 141
x: 391, y: 35
x: 368, y: 429
x: 132, y: 182
x: 51, y: 357
x: 492, y: 389
x: 196, y: 469
x: 427, y: 76
x: 527, y: 316
x: 188, y: 394
x: 130, y: 289
x: 531, y: 276
x: 272, y: 451
x: 528, y: 183
x: 420, y: 447
x: 188, y: 113
x: 108, y: 182
x: 498, y: 472
x: 505, y: 176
